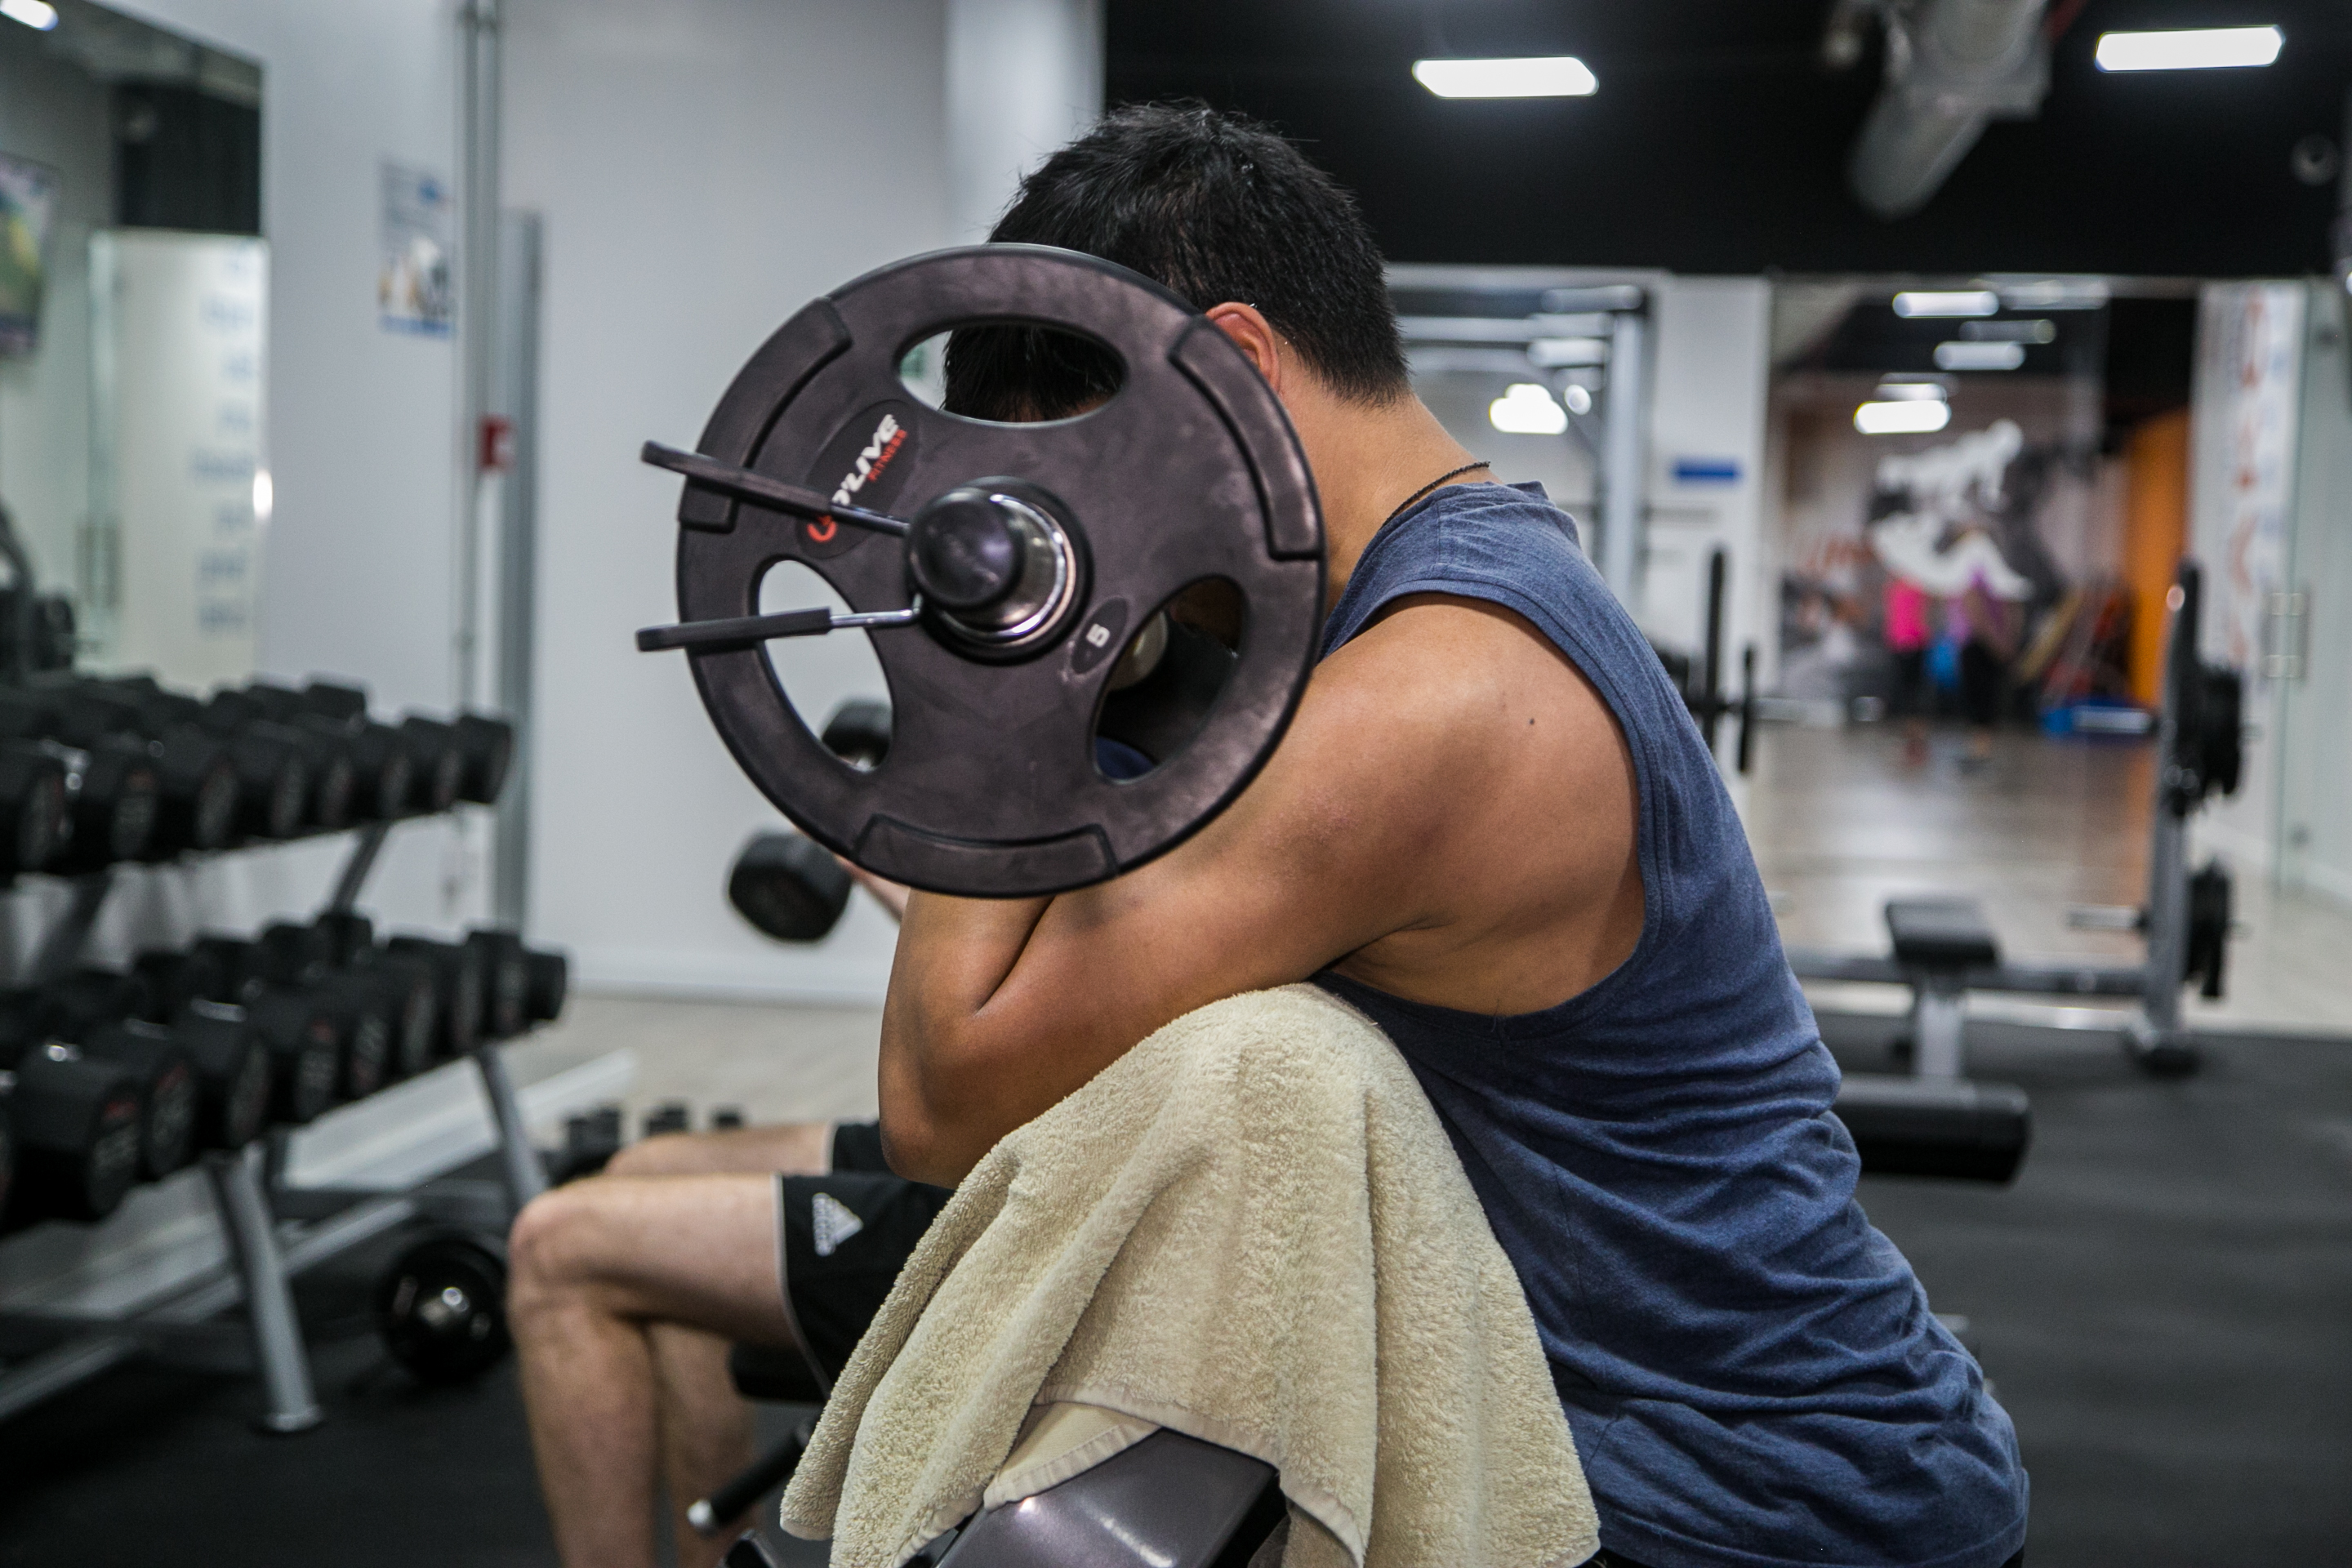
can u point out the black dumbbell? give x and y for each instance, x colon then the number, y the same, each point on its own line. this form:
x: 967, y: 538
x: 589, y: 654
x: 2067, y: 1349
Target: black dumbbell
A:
x: 460, y: 985
x: 406, y: 984
x: 669, y: 1116
x: 384, y: 765
x: 172, y: 1081
x: 506, y: 975
x: 440, y: 1307
x: 175, y: 977
x: 551, y: 981
x: 233, y: 1063
x: 345, y: 704
x: 305, y: 1050
x: 79, y: 1128
x: 590, y: 1139
x: 111, y: 785
x: 859, y: 732
x: 281, y: 717
x: 788, y: 886
x: 198, y: 782
x: 727, y: 1118
x: 439, y: 766
x: 297, y: 958
x: 33, y: 822
x: 274, y: 777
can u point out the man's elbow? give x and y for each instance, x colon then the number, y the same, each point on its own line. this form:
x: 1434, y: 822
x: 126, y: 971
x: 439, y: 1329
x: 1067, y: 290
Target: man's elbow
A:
x: 933, y: 1129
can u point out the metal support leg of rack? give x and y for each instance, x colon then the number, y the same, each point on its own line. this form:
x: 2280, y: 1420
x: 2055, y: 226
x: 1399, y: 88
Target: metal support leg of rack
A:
x: 518, y: 1160
x: 278, y: 1350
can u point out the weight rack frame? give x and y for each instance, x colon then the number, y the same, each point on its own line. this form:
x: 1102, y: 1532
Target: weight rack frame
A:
x: 274, y: 1231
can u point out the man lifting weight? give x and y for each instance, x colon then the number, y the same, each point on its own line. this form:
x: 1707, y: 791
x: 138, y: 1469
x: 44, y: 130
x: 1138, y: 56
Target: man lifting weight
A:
x: 1493, y: 827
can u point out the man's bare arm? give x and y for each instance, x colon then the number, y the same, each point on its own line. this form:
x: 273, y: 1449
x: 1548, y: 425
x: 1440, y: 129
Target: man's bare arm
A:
x: 1412, y: 745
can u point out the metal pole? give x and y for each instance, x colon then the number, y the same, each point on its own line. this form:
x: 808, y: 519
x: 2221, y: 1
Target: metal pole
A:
x: 61, y: 946
x: 518, y: 1160
x: 1625, y: 460
x: 2156, y: 1035
x: 361, y: 861
x: 269, y: 1305
x: 518, y: 394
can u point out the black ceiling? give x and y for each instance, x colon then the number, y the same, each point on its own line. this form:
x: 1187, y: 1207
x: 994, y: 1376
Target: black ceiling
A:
x: 1717, y: 141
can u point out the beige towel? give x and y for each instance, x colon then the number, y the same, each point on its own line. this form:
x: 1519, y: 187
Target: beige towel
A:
x: 1250, y: 1228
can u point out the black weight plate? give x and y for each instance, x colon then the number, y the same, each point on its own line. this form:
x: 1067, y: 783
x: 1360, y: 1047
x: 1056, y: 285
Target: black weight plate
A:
x: 1190, y: 471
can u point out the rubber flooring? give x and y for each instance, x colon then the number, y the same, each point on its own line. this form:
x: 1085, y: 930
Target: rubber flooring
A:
x: 2160, y: 1299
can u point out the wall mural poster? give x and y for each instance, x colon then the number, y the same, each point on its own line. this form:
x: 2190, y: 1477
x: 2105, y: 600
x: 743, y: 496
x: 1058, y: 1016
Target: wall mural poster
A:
x: 1973, y: 572
x: 414, y: 289
x: 2256, y: 330
x: 28, y: 200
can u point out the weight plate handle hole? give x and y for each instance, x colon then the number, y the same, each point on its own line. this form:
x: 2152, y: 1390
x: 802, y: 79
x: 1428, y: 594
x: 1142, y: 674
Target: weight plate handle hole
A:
x: 1167, y: 678
x: 1012, y: 372
x: 816, y: 676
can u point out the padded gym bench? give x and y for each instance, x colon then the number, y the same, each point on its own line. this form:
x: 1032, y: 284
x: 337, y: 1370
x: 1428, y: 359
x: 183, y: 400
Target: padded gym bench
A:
x: 1170, y: 1501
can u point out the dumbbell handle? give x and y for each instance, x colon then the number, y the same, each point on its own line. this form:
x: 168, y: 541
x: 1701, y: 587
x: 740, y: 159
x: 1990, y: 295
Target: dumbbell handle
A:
x: 799, y: 500
x: 749, y: 631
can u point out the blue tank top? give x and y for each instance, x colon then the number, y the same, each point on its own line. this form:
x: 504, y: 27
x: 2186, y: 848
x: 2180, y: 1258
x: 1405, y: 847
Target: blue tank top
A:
x: 1750, y: 1370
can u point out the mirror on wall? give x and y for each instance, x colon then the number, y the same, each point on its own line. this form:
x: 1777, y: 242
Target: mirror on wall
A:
x: 133, y: 317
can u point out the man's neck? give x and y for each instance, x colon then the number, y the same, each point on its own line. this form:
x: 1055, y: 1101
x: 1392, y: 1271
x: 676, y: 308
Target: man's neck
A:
x: 1368, y: 462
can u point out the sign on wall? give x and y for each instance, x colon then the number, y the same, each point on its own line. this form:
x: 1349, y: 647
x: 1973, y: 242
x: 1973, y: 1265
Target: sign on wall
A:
x: 28, y: 202
x: 413, y: 287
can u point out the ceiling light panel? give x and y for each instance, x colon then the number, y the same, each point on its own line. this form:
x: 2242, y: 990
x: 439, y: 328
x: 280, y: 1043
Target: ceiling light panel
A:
x: 1534, y: 75
x: 1905, y: 416
x: 37, y: 15
x: 2194, y: 48
x: 1979, y: 356
x: 1526, y: 409
x: 1946, y: 302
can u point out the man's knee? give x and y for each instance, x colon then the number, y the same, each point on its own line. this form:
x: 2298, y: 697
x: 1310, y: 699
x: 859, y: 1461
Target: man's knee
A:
x: 664, y: 1154
x: 549, y: 1248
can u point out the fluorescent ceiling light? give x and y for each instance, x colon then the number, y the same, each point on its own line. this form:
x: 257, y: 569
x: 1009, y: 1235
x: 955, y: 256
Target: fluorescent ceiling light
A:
x: 265, y: 493
x: 2055, y: 294
x: 1909, y: 391
x: 2012, y: 331
x: 1555, y: 354
x: 1906, y: 416
x: 2196, y: 49
x: 1526, y: 409
x: 1545, y: 76
x: 35, y: 14
x: 1979, y: 356
x: 1946, y: 302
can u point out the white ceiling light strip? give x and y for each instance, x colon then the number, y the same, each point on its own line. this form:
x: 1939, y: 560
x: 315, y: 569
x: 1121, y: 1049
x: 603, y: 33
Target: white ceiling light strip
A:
x: 1533, y: 76
x: 2189, y: 48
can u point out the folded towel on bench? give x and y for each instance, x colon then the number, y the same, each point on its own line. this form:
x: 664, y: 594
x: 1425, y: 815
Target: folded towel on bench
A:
x: 1253, y: 1229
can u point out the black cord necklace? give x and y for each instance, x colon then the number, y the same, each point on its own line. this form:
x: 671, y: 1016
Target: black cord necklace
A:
x: 1407, y: 504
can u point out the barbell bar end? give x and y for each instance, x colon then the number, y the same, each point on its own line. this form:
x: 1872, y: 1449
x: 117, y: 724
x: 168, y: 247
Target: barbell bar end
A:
x: 757, y: 486
x: 749, y: 631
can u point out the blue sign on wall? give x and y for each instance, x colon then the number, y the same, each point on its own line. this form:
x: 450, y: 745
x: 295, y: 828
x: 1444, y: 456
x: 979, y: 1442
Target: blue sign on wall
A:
x: 1706, y: 470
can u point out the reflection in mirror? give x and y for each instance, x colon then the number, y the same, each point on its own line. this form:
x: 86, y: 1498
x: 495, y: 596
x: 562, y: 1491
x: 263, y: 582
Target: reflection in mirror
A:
x: 819, y: 675
x: 132, y: 292
x: 1168, y: 679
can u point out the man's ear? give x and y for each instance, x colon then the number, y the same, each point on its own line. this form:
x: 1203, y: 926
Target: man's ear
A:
x: 1254, y: 336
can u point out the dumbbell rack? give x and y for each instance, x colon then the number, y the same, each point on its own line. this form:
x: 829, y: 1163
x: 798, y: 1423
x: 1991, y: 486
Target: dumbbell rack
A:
x: 251, y: 1198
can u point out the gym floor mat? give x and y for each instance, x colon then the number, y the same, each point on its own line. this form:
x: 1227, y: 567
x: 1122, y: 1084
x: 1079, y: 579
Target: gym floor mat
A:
x: 2158, y: 1299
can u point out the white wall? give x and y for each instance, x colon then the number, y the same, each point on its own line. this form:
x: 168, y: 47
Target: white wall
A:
x: 360, y: 425
x: 1711, y: 378
x: 704, y: 168
x: 1022, y: 77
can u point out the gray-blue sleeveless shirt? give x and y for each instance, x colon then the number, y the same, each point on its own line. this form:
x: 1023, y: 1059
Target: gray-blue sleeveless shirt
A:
x: 1750, y: 1370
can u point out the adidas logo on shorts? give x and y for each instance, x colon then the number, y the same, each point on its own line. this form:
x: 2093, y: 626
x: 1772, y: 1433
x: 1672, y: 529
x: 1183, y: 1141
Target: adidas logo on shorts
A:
x: 832, y: 1222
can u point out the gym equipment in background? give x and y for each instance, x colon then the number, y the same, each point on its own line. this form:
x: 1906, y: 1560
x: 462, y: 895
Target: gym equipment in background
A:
x: 1016, y: 575
x: 223, y: 1045
x: 440, y: 1306
x: 1944, y: 948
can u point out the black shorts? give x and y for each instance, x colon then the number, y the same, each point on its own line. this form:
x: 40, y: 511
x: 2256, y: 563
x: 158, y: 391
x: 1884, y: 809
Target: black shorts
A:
x: 845, y: 1237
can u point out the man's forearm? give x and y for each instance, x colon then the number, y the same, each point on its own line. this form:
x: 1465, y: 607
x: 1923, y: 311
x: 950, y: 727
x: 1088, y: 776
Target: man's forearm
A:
x: 939, y: 1096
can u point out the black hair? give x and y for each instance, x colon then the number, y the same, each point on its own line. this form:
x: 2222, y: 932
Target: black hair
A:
x: 1216, y: 208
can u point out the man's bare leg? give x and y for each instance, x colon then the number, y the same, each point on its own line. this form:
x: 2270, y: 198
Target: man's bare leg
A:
x: 601, y: 1271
